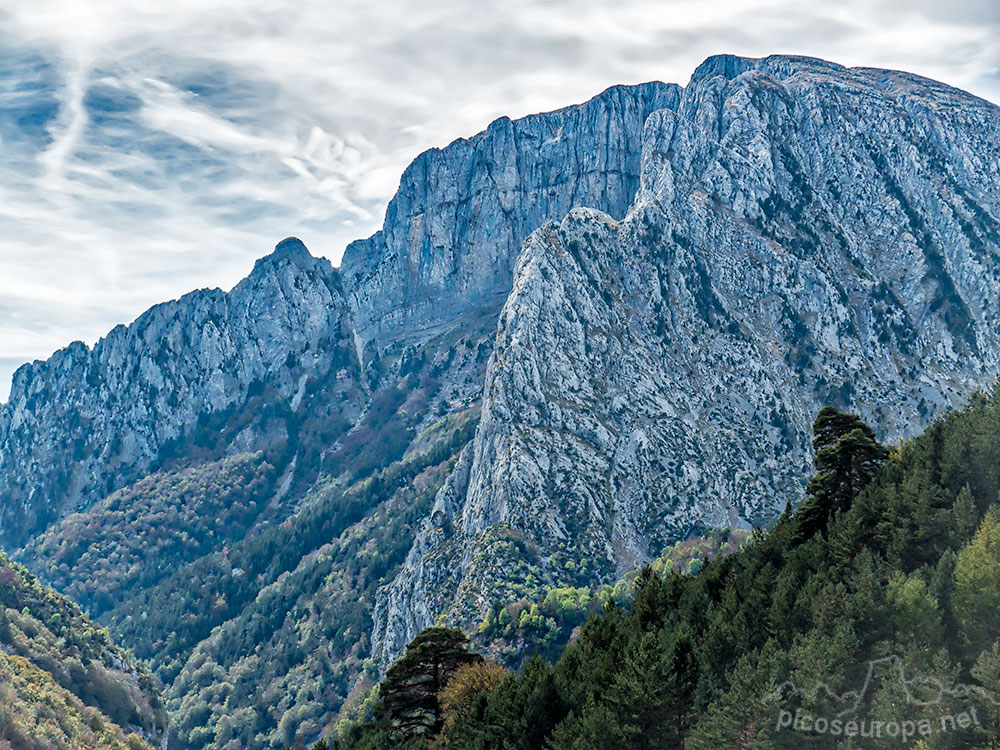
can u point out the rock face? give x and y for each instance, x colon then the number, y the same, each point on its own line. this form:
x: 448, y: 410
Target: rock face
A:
x: 84, y: 422
x: 452, y: 231
x: 803, y: 234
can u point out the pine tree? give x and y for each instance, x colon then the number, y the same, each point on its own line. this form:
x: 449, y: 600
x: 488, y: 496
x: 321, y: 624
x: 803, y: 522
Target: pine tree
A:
x: 589, y: 665
x: 595, y: 726
x: 915, y: 612
x: 866, y: 602
x: 649, y: 603
x: 965, y: 516
x: 521, y: 713
x: 409, y: 692
x: 987, y: 673
x: 977, y: 585
x: 847, y: 457
x: 844, y: 534
x: 743, y: 715
x: 639, y: 696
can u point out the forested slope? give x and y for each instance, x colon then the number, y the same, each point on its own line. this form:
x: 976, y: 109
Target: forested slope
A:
x: 899, y: 575
x: 63, y: 683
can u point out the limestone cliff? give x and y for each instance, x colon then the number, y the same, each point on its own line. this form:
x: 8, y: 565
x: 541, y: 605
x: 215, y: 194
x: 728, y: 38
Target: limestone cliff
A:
x: 803, y: 234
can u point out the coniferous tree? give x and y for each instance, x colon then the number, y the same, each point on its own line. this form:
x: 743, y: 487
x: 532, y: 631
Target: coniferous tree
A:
x: 587, y: 667
x: 847, y: 457
x: 521, y: 712
x: 592, y: 727
x: 907, y: 566
x: 965, y: 516
x: 649, y: 603
x: 640, y: 696
x: 867, y: 599
x: 843, y: 539
x: 743, y: 716
x: 977, y: 585
x: 986, y: 672
x: 409, y: 692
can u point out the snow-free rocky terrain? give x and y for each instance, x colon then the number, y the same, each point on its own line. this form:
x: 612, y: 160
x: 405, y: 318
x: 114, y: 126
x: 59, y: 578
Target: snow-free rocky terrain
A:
x: 803, y: 234
x: 646, y: 297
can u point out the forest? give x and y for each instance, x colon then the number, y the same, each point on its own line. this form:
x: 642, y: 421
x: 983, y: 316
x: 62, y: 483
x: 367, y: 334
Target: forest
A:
x: 63, y: 683
x: 883, y: 586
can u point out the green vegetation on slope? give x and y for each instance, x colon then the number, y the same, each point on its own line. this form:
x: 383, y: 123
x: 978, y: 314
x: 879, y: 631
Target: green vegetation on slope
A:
x: 278, y: 672
x: 247, y: 581
x: 62, y: 682
x: 511, y: 634
x: 146, y: 531
x: 164, y: 623
x: 900, y: 575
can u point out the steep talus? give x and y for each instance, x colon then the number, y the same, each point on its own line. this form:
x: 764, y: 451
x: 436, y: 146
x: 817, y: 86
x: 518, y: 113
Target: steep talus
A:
x: 804, y: 234
x: 83, y: 423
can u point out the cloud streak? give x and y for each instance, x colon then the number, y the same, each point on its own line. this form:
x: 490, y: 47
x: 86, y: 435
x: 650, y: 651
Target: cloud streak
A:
x: 148, y: 148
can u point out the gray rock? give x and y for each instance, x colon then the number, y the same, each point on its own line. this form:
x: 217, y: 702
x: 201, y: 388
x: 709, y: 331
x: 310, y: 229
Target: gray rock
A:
x: 86, y: 421
x: 453, y: 229
x: 671, y: 284
x: 803, y: 234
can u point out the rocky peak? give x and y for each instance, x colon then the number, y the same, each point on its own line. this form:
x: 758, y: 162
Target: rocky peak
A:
x: 731, y: 67
x: 727, y: 66
x: 804, y: 234
x: 291, y: 250
x: 86, y: 421
x: 453, y: 229
x: 672, y: 281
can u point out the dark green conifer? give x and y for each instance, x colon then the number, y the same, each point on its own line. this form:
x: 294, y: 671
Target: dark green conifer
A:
x: 409, y: 691
x: 847, y: 457
x: 965, y: 516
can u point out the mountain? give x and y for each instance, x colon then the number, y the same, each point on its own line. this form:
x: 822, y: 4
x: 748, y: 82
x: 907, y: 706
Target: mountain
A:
x: 578, y: 338
x: 454, y: 228
x: 63, y: 683
x: 88, y: 421
x: 110, y: 414
x: 804, y: 234
x: 247, y: 538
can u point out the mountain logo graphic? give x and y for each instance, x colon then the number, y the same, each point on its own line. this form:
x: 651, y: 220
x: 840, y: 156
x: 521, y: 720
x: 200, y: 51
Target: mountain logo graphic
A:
x: 921, y: 690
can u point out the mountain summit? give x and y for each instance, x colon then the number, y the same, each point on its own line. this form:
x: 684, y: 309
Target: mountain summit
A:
x: 803, y: 234
x: 291, y: 248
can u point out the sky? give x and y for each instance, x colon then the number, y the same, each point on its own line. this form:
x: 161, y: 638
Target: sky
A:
x: 148, y: 148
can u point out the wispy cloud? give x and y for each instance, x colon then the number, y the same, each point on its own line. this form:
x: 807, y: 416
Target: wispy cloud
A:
x: 148, y: 148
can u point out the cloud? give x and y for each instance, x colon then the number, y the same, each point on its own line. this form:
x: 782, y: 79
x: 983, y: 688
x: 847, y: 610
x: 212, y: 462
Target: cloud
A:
x: 148, y: 148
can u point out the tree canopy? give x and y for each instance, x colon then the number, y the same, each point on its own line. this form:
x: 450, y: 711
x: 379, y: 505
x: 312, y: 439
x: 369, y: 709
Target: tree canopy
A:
x: 889, y: 556
x: 409, y: 692
x: 847, y: 458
